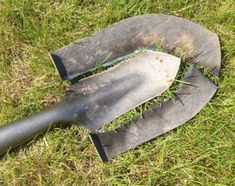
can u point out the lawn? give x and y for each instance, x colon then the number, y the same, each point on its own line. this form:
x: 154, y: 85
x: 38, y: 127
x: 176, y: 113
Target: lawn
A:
x: 202, y: 152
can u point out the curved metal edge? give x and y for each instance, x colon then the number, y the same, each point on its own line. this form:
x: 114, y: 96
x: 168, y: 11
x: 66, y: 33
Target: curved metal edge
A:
x: 172, y: 33
x: 161, y: 118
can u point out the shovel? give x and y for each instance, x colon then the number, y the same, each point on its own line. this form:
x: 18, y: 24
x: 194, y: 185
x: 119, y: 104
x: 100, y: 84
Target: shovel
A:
x: 98, y: 99
x: 178, y: 35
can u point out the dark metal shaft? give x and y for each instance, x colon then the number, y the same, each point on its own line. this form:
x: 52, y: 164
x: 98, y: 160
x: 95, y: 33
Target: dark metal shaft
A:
x: 20, y: 131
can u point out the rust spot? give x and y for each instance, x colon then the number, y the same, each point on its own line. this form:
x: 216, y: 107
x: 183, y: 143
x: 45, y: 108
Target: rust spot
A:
x: 89, y: 89
x: 150, y: 39
x: 146, y: 39
x: 169, y: 80
x: 185, y: 44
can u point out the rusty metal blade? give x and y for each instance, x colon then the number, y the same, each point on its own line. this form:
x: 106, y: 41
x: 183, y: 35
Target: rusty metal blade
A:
x: 108, y: 95
x: 158, y: 120
x: 172, y: 33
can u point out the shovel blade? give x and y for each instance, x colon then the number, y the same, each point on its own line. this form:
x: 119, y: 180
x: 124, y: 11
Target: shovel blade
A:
x: 106, y: 96
x: 124, y: 37
x: 159, y: 120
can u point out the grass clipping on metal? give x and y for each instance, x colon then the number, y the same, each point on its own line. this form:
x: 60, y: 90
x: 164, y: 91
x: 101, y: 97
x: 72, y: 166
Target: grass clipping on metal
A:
x: 198, y: 153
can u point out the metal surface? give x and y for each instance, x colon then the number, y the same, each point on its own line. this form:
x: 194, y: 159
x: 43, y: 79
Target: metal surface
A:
x: 158, y: 120
x: 172, y: 33
x: 119, y: 89
x: 99, y: 99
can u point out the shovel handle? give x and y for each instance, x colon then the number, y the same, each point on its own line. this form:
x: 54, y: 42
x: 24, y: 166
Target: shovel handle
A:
x: 18, y: 132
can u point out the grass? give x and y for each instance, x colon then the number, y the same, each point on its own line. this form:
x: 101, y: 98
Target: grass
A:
x: 198, y: 153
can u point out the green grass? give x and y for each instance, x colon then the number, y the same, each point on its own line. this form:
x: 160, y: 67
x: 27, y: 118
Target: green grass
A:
x: 198, y: 153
